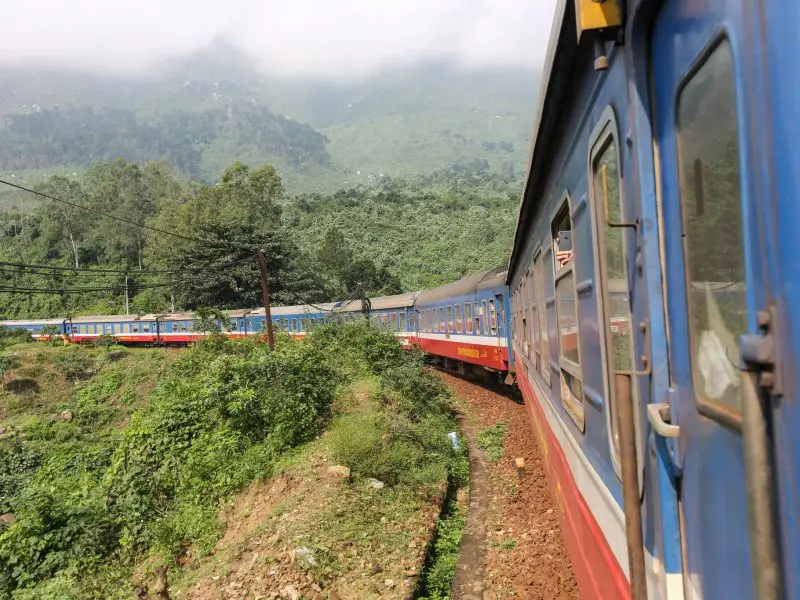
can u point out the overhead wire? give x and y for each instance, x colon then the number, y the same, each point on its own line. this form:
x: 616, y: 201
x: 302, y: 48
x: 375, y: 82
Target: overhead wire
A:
x: 117, y: 288
x: 130, y: 272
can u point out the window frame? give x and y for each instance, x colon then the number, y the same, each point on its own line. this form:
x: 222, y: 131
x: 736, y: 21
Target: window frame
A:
x: 469, y: 323
x: 605, y: 133
x: 704, y: 406
x: 575, y: 406
x: 459, y: 309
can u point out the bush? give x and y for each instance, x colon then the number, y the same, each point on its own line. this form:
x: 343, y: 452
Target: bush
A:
x: 10, y: 336
x: 74, y: 363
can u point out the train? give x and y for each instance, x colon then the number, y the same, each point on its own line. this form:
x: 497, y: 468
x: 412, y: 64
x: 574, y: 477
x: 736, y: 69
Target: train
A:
x: 645, y: 312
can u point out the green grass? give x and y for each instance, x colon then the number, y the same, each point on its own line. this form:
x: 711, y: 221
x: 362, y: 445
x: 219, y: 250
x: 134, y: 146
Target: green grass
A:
x: 490, y: 440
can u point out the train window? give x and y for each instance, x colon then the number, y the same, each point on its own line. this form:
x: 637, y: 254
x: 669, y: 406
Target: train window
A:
x: 492, y: 317
x: 567, y: 316
x: 535, y: 325
x: 613, y: 277
x: 135, y: 328
x: 442, y: 322
x: 392, y: 321
x: 713, y: 235
x: 459, y: 319
x: 468, y: 317
x: 233, y: 325
x: 401, y: 321
x: 145, y: 327
x: 484, y: 328
x: 449, y: 310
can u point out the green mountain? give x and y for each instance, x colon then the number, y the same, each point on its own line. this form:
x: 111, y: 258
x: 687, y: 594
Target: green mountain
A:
x: 206, y: 110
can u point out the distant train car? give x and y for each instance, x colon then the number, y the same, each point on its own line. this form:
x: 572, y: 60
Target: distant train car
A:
x: 392, y: 313
x: 654, y: 281
x: 35, y: 326
x: 467, y: 321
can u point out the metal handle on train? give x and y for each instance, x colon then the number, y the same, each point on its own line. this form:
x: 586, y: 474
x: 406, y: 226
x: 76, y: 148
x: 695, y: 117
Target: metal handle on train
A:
x: 660, y: 416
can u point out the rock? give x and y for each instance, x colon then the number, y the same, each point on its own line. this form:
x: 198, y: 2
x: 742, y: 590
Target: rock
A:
x: 375, y: 484
x: 290, y: 592
x: 339, y: 471
x: 66, y: 415
x: 307, y: 554
x: 8, y: 518
x: 316, y: 588
x: 389, y: 583
x: 549, y: 511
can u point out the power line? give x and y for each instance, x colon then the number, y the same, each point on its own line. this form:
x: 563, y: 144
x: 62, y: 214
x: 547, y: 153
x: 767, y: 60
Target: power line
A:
x: 130, y: 272
x: 102, y: 213
x: 118, y: 288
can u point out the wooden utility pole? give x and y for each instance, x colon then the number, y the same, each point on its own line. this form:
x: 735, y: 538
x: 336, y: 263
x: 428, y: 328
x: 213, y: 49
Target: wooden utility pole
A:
x: 126, y: 294
x: 262, y: 265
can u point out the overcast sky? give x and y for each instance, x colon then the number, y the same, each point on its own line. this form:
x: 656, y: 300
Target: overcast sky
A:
x: 329, y: 38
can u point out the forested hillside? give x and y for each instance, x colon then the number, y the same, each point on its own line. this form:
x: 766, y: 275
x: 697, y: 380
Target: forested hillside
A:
x: 81, y: 136
x: 390, y: 236
x: 205, y: 110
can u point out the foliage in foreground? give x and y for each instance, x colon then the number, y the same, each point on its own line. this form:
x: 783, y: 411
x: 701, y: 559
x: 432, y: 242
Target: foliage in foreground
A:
x: 90, y: 501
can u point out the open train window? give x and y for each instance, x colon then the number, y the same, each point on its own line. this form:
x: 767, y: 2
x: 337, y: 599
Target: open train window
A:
x: 442, y: 321
x: 613, y: 288
x: 533, y: 302
x: 401, y: 321
x: 459, y: 319
x: 468, y: 317
x: 714, y: 239
x: 492, y: 317
x: 567, y: 314
x: 449, y: 310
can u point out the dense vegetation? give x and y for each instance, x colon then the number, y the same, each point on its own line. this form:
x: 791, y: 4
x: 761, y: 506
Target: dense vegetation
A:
x: 98, y: 475
x: 209, y: 108
x: 83, y: 136
x: 384, y: 238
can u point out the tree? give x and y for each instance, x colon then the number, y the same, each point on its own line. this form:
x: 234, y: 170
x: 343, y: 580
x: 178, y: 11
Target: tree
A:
x: 251, y: 194
x: 65, y: 222
x: 201, y: 282
x: 364, y: 275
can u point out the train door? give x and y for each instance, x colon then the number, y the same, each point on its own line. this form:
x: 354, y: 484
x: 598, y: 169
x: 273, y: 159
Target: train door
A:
x: 711, y: 213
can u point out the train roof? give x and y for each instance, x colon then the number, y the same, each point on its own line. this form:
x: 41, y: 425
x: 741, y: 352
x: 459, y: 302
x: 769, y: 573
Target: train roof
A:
x: 29, y: 322
x: 560, y: 50
x: 380, y: 303
x: 466, y: 285
x: 296, y: 309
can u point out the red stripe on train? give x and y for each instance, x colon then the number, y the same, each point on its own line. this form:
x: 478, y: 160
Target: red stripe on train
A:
x: 494, y: 357
x: 598, y: 573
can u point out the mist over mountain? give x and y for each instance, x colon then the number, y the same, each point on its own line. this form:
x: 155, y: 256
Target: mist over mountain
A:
x: 207, y: 109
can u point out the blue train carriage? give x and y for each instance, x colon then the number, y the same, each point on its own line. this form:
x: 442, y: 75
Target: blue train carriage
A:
x: 297, y: 320
x: 654, y: 264
x: 35, y: 326
x: 466, y: 322
x: 130, y: 329
x: 394, y: 313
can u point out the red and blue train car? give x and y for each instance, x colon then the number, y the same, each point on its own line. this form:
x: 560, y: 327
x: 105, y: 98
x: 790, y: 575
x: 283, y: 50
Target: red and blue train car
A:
x: 467, y: 321
x: 654, y: 285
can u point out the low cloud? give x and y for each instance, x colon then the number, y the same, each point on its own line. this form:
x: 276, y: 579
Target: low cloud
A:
x: 306, y: 38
